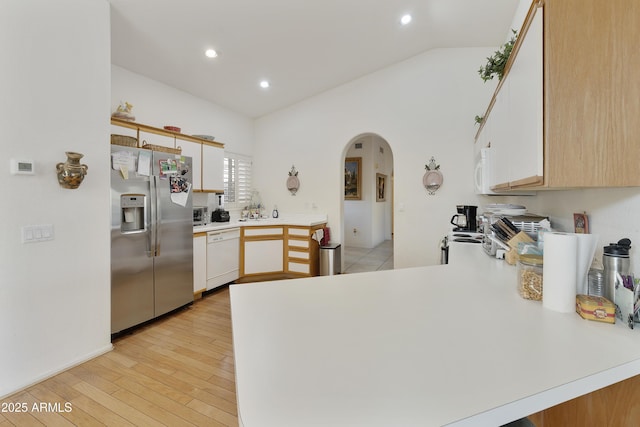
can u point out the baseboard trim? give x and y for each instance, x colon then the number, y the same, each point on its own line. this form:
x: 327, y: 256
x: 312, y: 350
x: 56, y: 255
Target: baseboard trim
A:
x: 61, y: 369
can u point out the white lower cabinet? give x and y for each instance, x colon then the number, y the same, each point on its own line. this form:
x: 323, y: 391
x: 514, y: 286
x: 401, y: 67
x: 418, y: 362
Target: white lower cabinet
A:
x: 223, y: 248
x: 199, y: 262
x: 263, y: 256
x: 262, y: 250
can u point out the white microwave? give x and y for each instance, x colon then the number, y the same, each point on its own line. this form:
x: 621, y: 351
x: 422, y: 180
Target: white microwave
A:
x: 484, y: 178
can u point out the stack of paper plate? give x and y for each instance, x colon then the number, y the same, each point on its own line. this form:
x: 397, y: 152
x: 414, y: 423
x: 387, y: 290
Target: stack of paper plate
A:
x: 506, y: 209
x: 207, y: 137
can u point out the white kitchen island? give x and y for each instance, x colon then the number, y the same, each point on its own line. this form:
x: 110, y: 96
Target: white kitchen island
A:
x: 430, y: 346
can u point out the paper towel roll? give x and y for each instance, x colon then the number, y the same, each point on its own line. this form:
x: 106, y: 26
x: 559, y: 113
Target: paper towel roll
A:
x: 560, y: 272
x: 587, y: 244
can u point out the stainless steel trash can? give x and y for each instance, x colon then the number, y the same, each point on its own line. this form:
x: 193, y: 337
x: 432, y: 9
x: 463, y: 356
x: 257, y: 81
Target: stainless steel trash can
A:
x: 330, y: 259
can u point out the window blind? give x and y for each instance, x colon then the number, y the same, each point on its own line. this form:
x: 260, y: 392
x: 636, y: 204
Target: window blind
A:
x: 237, y: 179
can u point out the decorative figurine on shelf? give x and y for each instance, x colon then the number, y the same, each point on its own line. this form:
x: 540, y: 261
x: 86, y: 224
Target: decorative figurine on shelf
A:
x: 293, y: 183
x: 432, y: 179
x: 123, y: 112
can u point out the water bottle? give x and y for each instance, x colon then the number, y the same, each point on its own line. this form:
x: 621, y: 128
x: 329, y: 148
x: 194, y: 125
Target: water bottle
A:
x: 616, y: 260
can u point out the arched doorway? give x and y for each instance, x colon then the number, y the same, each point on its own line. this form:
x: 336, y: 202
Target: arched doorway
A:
x: 367, y: 204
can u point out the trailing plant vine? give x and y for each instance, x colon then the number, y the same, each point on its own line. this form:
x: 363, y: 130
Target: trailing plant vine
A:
x: 496, y: 63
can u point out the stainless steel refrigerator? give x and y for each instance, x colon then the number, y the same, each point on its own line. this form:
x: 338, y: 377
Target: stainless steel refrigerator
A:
x: 151, y: 235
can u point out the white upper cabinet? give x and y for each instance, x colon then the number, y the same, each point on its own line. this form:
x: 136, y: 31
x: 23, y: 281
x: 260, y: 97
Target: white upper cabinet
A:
x: 207, y: 156
x: 155, y: 139
x: 525, y: 92
x: 194, y: 150
x: 212, y: 168
x: 519, y: 152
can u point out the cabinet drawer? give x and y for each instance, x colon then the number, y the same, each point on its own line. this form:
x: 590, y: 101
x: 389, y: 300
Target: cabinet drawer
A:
x: 304, y: 232
x: 263, y: 231
x: 295, y: 244
x: 297, y: 267
x: 298, y: 254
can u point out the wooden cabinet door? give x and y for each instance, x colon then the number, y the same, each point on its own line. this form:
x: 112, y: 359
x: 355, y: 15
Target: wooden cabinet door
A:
x: 592, y: 92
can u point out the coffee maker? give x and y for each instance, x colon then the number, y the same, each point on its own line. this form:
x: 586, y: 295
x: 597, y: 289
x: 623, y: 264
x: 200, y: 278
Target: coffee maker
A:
x: 466, y: 218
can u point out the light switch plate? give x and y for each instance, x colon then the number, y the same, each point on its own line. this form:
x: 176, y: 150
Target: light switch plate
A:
x: 37, y: 233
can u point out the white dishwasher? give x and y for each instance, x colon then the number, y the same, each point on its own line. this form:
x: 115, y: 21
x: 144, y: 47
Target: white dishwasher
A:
x: 223, y: 257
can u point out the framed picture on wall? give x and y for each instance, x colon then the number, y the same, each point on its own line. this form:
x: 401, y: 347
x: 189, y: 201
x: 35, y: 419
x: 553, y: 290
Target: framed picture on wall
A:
x: 353, y: 178
x: 381, y: 187
x: 580, y: 223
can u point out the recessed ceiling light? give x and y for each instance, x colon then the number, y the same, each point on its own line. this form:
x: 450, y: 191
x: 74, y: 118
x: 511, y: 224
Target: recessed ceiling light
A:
x: 211, y: 53
x: 405, y: 19
x: 264, y: 84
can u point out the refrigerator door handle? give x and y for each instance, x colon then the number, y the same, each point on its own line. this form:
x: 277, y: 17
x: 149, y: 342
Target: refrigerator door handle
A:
x: 148, y: 224
x: 158, y: 216
x: 154, y: 212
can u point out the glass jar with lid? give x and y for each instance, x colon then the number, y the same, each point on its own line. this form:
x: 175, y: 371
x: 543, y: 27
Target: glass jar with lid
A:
x: 530, y: 277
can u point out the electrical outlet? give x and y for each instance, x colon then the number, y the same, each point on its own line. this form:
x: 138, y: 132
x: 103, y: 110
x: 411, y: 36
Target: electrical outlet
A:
x: 355, y: 231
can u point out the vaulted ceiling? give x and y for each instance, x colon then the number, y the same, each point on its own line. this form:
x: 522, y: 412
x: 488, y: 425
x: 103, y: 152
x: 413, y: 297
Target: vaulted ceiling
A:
x: 302, y: 47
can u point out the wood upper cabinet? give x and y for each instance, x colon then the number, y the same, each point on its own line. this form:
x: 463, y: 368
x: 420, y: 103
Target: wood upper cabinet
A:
x: 592, y: 93
x: 587, y: 135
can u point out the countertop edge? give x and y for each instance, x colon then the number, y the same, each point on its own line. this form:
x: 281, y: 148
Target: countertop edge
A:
x: 301, y: 222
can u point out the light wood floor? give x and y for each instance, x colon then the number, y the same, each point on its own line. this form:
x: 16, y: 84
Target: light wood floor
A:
x: 177, y: 371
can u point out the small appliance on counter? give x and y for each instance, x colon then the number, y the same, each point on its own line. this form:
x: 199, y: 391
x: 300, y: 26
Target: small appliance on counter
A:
x: 466, y: 218
x: 219, y: 214
x: 200, y: 215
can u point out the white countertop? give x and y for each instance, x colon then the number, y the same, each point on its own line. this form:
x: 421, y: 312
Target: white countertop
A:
x: 305, y: 220
x: 452, y: 344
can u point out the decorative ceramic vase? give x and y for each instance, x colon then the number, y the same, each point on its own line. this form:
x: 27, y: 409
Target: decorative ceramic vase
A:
x: 71, y: 173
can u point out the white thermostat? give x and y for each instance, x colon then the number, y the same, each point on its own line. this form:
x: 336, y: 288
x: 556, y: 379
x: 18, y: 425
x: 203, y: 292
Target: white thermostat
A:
x: 22, y: 167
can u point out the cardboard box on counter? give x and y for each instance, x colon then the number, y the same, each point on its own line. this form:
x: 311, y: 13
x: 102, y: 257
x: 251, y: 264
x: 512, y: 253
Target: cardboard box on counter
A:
x: 595, y: 308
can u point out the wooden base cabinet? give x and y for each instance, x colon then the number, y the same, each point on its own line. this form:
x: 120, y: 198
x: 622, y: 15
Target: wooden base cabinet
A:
x: 614, y: 406
x: 279, y: 252
x: 261, y: 250
x: 590, y: 98
x: 303, y: 251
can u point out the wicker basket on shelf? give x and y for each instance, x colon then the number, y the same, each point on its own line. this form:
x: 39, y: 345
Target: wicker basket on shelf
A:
x: 177, y: 150
x: 127, y: 141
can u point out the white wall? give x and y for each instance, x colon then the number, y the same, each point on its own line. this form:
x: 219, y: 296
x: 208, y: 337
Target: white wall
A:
x: 612, y: 212
x: 54, y: 80
x: 422, y: 107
